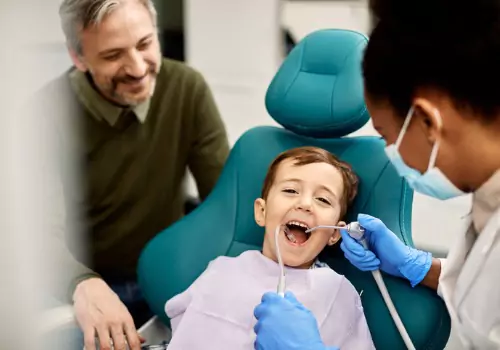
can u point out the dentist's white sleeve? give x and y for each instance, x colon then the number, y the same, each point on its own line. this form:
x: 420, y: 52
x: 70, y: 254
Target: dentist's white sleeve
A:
x: 439, y: 291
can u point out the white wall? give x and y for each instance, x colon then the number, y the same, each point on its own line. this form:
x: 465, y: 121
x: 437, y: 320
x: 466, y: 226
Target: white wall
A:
x: 23, y: 30
x: 50, y: 48
x: 236, y: 45
x: 304, y: 17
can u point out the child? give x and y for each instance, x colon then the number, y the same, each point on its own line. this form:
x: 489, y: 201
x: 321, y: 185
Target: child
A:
x: 305, y: 187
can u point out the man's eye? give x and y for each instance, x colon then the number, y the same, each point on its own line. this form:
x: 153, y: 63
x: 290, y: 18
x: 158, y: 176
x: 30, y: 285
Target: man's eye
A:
x: 324, y: 200
x: 143, y: 46
x: 112, y: 57
x: 289, y: 190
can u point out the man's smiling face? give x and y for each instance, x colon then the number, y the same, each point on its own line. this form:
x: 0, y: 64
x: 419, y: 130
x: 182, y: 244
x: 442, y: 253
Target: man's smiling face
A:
x: 122, y: 54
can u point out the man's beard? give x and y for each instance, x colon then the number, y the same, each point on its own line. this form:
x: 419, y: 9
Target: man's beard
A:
x: 152, y: 72
x: 129, y: 79
x: 110, y: 88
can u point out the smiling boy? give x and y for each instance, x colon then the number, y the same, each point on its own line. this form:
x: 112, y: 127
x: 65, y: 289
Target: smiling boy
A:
x: 305, y: 187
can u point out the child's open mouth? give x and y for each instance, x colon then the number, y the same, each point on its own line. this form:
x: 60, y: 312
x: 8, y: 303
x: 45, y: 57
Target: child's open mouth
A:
x: 295, y: 232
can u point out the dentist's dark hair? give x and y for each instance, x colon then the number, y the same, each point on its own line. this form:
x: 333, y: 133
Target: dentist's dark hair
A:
x: 452, y: 46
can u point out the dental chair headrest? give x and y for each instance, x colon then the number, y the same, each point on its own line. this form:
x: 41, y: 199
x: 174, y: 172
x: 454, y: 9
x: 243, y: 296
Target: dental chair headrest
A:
x: 318, y: 90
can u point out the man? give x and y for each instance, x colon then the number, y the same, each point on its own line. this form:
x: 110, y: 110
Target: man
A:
x: 128, y: 123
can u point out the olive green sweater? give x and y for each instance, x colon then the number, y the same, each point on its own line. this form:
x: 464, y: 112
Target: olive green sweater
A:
x: 123, y: 170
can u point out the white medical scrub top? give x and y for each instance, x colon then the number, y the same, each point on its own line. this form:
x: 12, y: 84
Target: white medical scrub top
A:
x: 470, y: 277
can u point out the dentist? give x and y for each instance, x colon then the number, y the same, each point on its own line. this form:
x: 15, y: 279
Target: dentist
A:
x: 432, y: 86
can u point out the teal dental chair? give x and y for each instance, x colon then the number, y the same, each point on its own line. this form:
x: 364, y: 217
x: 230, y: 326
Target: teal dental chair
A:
x: 317, y: 96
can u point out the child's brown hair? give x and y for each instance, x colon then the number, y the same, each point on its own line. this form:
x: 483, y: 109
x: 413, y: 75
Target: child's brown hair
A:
x: 309, y: 155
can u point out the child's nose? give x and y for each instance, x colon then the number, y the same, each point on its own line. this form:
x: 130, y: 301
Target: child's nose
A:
x: 304, y: 203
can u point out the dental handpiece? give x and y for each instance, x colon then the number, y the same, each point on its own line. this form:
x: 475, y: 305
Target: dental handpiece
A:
x: 354, y: 229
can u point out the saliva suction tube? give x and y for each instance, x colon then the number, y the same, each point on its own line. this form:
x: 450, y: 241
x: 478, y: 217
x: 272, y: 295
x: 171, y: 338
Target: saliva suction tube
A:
x: 357, y: 232
x: 282, y: 277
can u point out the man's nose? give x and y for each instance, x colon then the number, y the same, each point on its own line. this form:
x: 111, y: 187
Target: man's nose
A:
x: 136, y: 66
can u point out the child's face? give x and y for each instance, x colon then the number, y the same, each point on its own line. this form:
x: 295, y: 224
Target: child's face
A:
x: 308, y: 195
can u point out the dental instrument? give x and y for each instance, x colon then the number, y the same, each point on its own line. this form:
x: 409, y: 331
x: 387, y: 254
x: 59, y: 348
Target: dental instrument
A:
x: 357, y: 232
x: 354, y: 229
x: 282, y: 277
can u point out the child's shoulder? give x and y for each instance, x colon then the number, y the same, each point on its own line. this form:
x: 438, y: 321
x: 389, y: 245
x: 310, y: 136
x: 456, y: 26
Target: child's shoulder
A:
x: 234, y: 262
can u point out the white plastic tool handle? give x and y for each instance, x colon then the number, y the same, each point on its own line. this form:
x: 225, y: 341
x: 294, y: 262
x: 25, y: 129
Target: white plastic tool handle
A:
x: 390, y: 305
x: 281, y: 280
x: 392, y: 309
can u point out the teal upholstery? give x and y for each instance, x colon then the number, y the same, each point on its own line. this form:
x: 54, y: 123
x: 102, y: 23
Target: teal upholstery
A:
x: 318, y: 92
x: 317, y: 96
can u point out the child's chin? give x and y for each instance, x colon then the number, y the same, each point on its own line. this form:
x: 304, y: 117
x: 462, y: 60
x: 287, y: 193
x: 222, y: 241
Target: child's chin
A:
x: 296, y: 263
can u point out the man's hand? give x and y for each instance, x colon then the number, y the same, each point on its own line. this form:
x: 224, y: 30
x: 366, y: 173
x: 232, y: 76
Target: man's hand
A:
x: 100, y: 312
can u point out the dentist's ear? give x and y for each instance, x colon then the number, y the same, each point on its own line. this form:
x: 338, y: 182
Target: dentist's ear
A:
x: 427, y: 113
x: 259, y: 209
x: 336, y: 234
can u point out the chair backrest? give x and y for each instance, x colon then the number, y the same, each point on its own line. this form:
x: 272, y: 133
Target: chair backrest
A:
x: 317, y: 96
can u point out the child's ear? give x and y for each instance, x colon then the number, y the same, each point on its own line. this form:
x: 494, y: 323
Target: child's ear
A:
x: 259, y: 209
x: 335, y: 237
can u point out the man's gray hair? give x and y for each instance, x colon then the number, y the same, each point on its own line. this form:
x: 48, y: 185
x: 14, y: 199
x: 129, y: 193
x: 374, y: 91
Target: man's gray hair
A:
x: 77, y: 15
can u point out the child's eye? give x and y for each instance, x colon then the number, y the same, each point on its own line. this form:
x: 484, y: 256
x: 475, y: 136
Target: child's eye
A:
x: 324, y: 200
x: 289, y: 190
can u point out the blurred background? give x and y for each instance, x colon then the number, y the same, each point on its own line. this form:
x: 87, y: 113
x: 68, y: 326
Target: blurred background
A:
x: 236, y: 44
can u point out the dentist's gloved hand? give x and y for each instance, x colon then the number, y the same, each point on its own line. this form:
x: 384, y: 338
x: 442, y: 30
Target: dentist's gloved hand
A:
x: 285, y: 324
x: 386, y: 252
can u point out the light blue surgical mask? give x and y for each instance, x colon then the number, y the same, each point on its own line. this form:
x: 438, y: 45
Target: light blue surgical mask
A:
x: 433, y: 182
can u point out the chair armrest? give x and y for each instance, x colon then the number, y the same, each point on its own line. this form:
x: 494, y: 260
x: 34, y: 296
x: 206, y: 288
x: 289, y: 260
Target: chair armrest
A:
x: 155, y: 332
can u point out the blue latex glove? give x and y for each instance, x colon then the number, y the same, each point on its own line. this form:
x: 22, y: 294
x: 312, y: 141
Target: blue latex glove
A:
x: 285, y: 324
x: 386, y: 252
